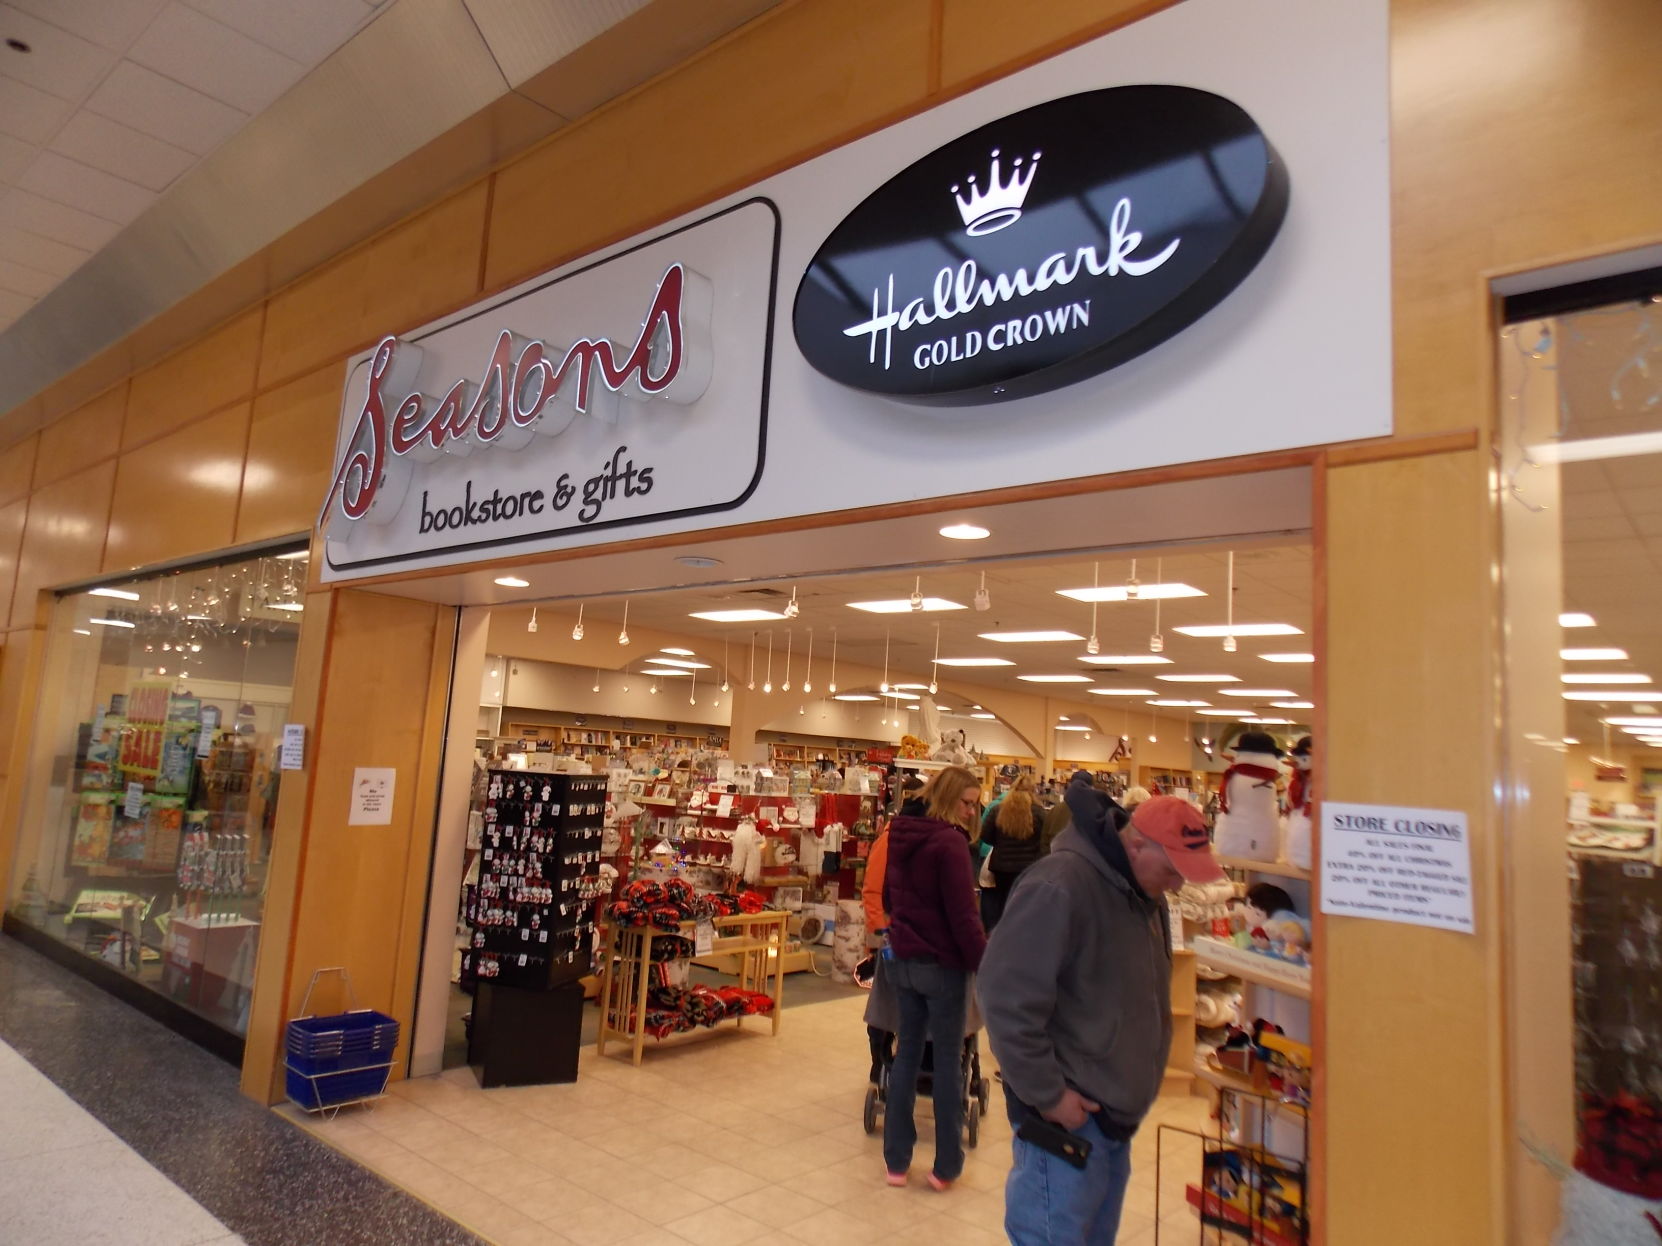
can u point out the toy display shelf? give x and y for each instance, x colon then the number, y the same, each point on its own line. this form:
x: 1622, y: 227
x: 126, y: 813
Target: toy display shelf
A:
x: 1252, y: 967
x: 1241, y: 1084
x: 1649, y: 851
x: 1278, y: 868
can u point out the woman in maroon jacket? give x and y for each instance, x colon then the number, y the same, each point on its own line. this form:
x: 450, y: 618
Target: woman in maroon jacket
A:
x: 935, y: 944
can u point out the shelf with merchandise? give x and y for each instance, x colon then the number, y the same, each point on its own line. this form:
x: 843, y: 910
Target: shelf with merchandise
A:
x: 1280, y: 869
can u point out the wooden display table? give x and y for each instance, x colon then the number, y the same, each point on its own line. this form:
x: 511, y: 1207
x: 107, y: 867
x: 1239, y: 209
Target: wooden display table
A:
x: 756, y: 940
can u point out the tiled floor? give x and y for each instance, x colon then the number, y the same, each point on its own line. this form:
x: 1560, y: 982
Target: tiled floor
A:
x: 715, y: 1140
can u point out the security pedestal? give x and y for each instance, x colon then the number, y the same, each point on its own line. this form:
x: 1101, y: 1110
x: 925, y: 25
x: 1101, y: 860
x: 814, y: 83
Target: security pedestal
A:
x: 525, y: 1037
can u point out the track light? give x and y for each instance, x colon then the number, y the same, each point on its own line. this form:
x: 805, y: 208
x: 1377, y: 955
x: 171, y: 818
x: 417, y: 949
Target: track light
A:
x: 791, y: 608
x: 532, y: 625
x: 1131, y: 585
x: 577, y: 629
x: 916, y: 598
x: 983, y: 599
x: 623, y: 636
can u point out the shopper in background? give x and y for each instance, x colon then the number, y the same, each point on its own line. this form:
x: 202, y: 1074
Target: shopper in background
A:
x: 1076, y: 991
x: 935, y: 944
x: 1011, y: 832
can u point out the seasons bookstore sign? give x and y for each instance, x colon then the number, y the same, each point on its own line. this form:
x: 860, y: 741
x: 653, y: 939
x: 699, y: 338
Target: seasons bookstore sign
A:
x: 1044, y: 247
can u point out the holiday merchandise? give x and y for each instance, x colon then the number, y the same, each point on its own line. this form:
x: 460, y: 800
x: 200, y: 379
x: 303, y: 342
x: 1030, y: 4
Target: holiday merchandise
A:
x: 1248, y: 825
x: 1271, y: 926
x: 1299, y: 791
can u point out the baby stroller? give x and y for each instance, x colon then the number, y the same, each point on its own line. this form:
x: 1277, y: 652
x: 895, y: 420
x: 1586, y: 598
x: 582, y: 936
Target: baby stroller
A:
x: 882, y: 1023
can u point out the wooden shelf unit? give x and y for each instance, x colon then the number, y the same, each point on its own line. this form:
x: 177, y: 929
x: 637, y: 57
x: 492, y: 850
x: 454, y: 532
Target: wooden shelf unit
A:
x: 1278, y: 868
x: 1282, y: 976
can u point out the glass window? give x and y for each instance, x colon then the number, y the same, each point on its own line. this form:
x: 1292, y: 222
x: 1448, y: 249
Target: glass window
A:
x: 153, y: 785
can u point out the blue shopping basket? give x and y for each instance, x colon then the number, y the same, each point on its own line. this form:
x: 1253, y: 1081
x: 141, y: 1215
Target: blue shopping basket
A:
x: 341, y: 1059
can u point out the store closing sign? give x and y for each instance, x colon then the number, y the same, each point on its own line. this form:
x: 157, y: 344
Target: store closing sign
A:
x: 1044, y: 247
x: 1397, y: 864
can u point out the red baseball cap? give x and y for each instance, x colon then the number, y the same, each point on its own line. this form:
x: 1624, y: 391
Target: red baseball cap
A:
x: 1178, y: 827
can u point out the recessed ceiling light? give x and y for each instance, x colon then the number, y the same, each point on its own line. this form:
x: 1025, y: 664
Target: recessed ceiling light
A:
x: 680, y: 653
x: 1593, y: 655
x: 735, y: 616
x: 1179, y: 703
x: 1056, y: 679
x: 853, y: 696
x: 1072, y: 727
x: 1120, y: 592
x: 1121, y: 692
x: 1576, y: 619
x: 1293, y: 705
x: 983, y: 715
x: 1611, y: 694
x: 1124, y: 659
x: 1258, y: 692
x: 697, y: 560
x: 974, y: 662
x: 1241, y: 629
x: 1593, y: 677
x: 120, y: 593
x: 112, y: 623
x: 903, y: 605
x: 965, y: 531
x: 1200, y: 679
x: 684, y: 663
x: 1288, y: 657
x: 512, y: 581
x: 1029, y: 638
x: 1217, y: 713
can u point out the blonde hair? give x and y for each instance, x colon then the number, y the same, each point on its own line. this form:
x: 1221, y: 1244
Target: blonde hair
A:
x: 1015, y: 812
x: 942, y: 798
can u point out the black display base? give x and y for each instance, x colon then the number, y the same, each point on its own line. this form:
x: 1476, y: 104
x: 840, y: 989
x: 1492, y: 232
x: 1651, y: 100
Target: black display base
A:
x: 522, y: 1037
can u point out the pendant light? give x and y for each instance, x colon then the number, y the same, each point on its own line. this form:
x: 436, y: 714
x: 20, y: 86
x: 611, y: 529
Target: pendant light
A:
x: 791, y: 608
x: 724, y: 664
x: 577, y: 629
x: 767, y: 683
x: 653, y: 686
x: 1093, y: 645
x: 626, y: 677
x: 596, y: 687
x: 790, y: 646
x: 623, y: 636
x: 983, y: 599
x: 1229, y: 644
x: 1131, y: 586
x: 935, y: 663
x: 884, y: 686
x: 532, y: 625
x: 751, y: 682
x: 808, y: 675
x: 1152, y: 738
x: 1157, y: 642
x: 692, y: 695
x: 916, y: 599
x: 833, y: 684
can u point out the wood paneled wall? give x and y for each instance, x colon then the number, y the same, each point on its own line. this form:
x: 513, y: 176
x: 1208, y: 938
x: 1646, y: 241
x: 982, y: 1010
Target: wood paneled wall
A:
x: 1524, y: 132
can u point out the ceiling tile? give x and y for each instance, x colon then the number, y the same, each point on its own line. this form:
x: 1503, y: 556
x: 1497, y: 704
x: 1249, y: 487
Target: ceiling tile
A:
x: 55, y: 221
x: 1645, y: 501
x: 80, y: 186
x: 1641, y: 471
x: 1649, y: 524
x: 15, y: 155
x: 302, y: 30
x: 29, y: 113
x: 13, y: 305
x: 1593, y: 505
x: 22, y: 279
x: 1583, y: 527
x: 192, y: 48
x: 118, y: 149
x: 112, y: 24
x: 58, y: 62
x: 164, y: 109
x: 23, y: 247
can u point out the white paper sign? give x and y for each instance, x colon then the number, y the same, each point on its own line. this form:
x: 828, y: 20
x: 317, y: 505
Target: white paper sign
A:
x: 205, y: 741
x: 134, y: 807
x: 704, y: 937
x: 372, y: 788
x: 293, y: 756
x: 1397, y: 865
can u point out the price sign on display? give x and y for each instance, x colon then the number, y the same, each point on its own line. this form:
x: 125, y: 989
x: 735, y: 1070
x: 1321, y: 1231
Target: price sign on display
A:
x: 134, y: 806
x: 294, y: 747
x: 704, y: 937
x: 1397, y: 865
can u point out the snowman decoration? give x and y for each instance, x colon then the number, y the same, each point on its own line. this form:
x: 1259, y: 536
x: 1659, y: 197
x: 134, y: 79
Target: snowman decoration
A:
x: 1248, y: 825
x: 1299, y: 790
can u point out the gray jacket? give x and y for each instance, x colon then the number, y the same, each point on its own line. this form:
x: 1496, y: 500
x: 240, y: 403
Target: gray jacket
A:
x: 1076, y: 985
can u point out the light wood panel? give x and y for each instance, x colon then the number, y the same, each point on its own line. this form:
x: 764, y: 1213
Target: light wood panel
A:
x: 982, y: 38
x: 290, y: 454
x: 83, y: 437
x: 410, y: 274
x: 21, y: 660
x: 1413, y: 1015
x: 177, y: 496
x: 211, y: 373
x: 17, y: 468
x: 747, y: 107
x: 63, y: 536
x: 12, y: 516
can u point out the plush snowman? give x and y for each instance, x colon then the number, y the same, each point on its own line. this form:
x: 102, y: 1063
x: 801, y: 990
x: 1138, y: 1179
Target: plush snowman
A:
x: 1249, y: 825
x: 1299, y: 846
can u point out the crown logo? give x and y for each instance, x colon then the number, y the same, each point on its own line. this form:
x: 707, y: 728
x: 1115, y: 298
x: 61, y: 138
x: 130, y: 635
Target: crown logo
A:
x: 987, y: 212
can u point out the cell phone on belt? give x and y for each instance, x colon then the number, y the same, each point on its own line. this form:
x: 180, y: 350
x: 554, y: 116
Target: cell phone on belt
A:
x: 1050, y: 1137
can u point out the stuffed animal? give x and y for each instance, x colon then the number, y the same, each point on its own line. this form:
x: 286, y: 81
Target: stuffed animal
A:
x: 912, y: 747
x: 952, y: 749
x: 1271, y: 925
x: 1248, y: 824
x: 1299, y: 845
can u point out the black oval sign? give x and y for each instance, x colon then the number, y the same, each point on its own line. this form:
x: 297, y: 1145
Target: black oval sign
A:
x: 1043, y: 248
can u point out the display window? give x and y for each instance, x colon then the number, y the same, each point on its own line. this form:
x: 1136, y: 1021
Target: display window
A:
x: 155, y: 775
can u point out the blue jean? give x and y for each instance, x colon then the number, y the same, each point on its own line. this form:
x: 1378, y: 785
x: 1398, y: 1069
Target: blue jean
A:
x: 1049, y: 1202
x: 933, y: 1000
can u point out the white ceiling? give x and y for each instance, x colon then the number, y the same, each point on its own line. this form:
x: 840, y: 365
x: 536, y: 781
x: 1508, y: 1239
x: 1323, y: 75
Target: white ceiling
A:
x: 117, y: 99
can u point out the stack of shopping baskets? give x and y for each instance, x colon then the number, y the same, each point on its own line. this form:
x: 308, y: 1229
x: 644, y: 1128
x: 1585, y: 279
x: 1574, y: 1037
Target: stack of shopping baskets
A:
x: 341, y: 1059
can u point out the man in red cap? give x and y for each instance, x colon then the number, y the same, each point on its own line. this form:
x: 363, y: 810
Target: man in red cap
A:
x: 1075, y: 988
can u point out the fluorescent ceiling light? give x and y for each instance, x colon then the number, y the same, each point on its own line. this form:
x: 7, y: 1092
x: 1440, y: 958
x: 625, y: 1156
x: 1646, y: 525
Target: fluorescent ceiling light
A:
x: 735, y: 616
x: 1576, y: 619
x: 680, y: 653
x: 81, y: 631
x: 1029, y: 638
x: 294, y: 555
x: 1647, y: 721
x: 1056, y: 679
x: 903, y: 605
x: 1293, y: 705
x: 1593, y: 677
x: 1217, y: 713
x: 1119, y: 592
x: 121, y: 593
x: 1288, y: 657
x: 897, y: 695
x: 1179, y: 703
x: 1630, y: 695
x: 293, y: 607
x: 1258, y: 692
x: 112, y: 623
x: 974, y: 662
x: 1072, y: 727
x: 686, y: 664
x: 648, y: 670
x: 1124, y: 659
x: 983, y: 715
x: 1274, y: 722
x: 1593, y: 655
x: 1241, y: 629
x: 512, y: 581
x: 1200, y: 679
x: 965, y: 531
x: 1121, y: 692
x: 1570, y: 739
x: 853, y: 696
x: 1584, y: 449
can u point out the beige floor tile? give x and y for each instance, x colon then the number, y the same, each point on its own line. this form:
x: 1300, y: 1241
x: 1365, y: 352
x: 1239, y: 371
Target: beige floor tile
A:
x: 654, y: 1237
x: 660, y: 1202
x: 720, y: 1182
x: 837, y: 1187
x: 776, y: 1207
x: 673, y: 1158
x: 509, y: 1175
x: 884, y: 1207
x: 831, y: 1227
x: 603, y: 1224
x: 627, y: 1141
x: 548, y: 1200
x: 718, y: 1226
x: 974, y: 1207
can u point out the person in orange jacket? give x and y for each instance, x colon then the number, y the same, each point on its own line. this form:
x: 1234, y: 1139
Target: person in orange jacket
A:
x: 871, y: 890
